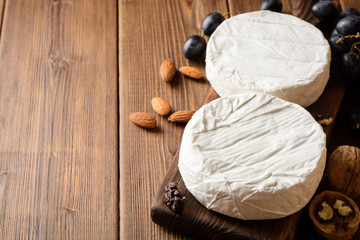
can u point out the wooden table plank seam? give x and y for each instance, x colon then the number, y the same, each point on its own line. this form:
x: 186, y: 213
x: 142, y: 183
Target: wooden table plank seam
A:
x: 2, y: 11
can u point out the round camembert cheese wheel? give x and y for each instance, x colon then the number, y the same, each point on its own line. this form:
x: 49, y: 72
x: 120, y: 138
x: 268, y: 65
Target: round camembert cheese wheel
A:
x: 269, y: 52
x: 252, y: 156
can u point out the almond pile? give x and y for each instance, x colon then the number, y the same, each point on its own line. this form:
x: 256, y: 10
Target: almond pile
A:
x: 160, y: 105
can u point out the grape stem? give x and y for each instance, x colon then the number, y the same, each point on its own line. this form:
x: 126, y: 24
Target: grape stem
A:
x: 226, y: 14
x: 202, y: 33
x: 348, y: 36
x: 353, y: 47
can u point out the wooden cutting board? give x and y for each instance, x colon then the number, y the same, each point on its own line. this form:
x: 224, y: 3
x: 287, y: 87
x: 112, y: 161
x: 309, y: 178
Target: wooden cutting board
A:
x: 200, y: 222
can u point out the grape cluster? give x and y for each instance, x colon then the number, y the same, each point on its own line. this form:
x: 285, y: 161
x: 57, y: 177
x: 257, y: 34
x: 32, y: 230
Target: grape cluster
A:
x: 173, y: 197
x: 345, y: 38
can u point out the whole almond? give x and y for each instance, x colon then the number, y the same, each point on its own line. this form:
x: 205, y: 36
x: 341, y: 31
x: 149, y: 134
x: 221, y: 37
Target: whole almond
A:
x: 160, y: 106
x: 182, y: 116
x: 167, y: 70
x: 143, y: 119
x: 191, y: 72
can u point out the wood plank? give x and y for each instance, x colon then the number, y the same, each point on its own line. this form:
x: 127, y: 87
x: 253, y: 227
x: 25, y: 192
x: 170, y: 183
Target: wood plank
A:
x: 156, y: 33
x: 349, y: 4
x: 58, y: 120
x: 302, y: 9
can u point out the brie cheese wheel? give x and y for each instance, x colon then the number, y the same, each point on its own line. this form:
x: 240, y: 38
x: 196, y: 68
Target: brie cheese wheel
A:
x: 252, y: 156
x: 269, y: 52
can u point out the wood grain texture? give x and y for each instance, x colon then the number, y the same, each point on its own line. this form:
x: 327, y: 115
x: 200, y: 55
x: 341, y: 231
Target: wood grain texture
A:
x: 302, y: 9
x: 58, y: 120
x: 349, y: 4
x: 156, y: 33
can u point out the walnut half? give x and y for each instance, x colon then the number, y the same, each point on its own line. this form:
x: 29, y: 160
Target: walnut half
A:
x: 334, y: 215
x: 343, y: 171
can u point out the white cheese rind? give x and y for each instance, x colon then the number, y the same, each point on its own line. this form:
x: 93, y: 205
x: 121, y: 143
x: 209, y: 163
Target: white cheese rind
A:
x: 268, y: 52
x: 252, y: 156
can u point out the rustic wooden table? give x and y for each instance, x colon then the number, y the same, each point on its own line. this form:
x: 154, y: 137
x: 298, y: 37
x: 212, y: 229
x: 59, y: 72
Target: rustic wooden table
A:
x: 72, y: 165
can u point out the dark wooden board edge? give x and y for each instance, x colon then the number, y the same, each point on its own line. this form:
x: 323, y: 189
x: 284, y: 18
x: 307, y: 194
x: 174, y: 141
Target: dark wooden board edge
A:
x: 202, y: 223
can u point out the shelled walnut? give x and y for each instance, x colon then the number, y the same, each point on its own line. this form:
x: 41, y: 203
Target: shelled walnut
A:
x: 323, y: 118
x: 334, y: 215
x: 173, y: 197
x: 343, y: 209
x: 343, y: 171
x: 326, y: 213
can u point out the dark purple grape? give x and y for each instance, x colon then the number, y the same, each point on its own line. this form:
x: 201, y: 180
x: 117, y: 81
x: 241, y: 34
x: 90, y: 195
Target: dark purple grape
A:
x: 350, y: 41
x: 325, y: 10
x: 194, y: 47
x: 211, y: 22
x: 348, y: 25
x: 349, y: 12
x: 340, y: 48
x: 334, y: 32
x: 272, y: 5
x: 350, y: 62
x: 355, y: 120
